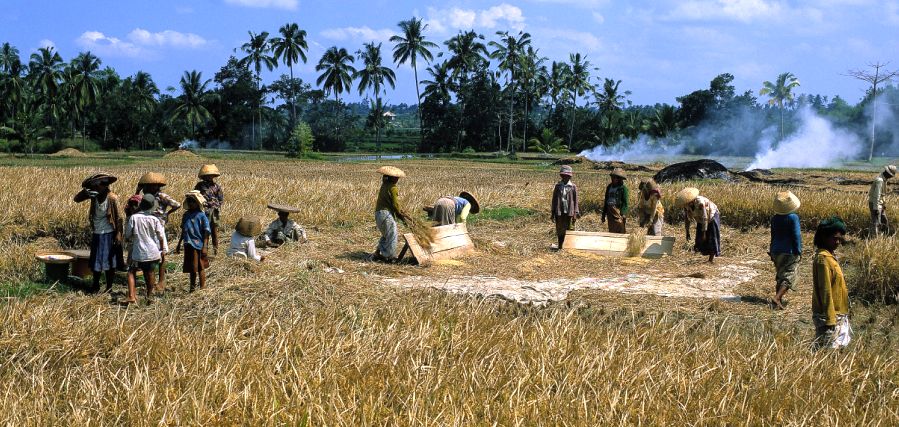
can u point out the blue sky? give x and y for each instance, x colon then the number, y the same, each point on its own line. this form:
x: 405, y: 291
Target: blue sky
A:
x: 660, y: 49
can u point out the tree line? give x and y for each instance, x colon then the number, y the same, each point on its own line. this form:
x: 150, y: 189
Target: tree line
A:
x: 496, y: 94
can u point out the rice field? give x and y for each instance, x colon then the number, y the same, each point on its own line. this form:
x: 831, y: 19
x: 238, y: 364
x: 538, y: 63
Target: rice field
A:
x: 313, y: 336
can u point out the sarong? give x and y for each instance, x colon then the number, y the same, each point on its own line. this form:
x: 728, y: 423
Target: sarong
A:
x: 712, y: 243
x: 786, y: 266
x: 105, y: 254
x: 445, y: 211
x: 616, y: 220
x: 387, y: 226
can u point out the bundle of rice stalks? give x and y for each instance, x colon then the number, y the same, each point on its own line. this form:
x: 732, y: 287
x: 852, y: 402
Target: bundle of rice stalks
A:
x: 635, y: 243
x: 422, y: 230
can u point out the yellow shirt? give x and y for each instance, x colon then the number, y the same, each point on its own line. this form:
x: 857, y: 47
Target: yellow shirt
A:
x: 830, y: 296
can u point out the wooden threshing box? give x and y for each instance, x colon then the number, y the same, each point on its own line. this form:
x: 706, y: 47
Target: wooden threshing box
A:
x: 451, y: 241
x: 613, y: 244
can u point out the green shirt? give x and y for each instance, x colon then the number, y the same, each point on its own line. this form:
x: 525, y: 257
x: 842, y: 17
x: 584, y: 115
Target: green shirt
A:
x: 617, y: 197
x: 388, y: 198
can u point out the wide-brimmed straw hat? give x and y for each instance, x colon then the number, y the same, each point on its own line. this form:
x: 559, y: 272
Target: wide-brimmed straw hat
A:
x: 209, y: 170
x: 686, y: 196
x: 249, y: 226
x: 649, y: 184
x: 785, y: 203
x: 566, y: 170
x: 283, y: 208
x: 392, y: 171
x: 196, y: 195
x: 152, y: 178
x: 98, y: 178
x: 889, y: 170
x: 475, y: 206
x: 618, y: 172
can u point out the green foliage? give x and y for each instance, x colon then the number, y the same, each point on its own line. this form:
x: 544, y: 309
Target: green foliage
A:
x: 501, y: 213
x: 27, y: 289
x: 301, y: 141
x: 547, y: 143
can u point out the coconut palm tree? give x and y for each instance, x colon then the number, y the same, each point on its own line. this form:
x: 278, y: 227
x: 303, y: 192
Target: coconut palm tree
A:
x: 290, y: 48
x: 45, y: 75
x: 144, y: 93
x: 191, y: 106
x: 12, y: 82
x: 374, y: 75
x: 467, y: 53
x: 84, y: 87
x: 779, y: 92
x: 408, y: 47
x: 257, y: 50
x: 547, y: 143
x: 532, y: 70
x: 440, y: 83
x: 609, y: 99
x: 578, y: 83
x: 509, y: 52
x: 9, y: 56
x: 336, y: 76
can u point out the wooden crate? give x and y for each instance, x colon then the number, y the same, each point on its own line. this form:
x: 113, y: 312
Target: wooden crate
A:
x: 451, y: 241
x: 613, y: 244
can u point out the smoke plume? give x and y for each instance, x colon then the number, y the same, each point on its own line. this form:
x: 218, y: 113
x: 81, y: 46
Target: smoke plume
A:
x: 816, y: 144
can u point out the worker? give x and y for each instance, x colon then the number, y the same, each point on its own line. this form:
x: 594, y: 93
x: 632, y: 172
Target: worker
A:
x: 650, y: 212
x: 215, y: 198
x: 283, y: 229
x: 453, y: 209
x: 152, y: 183
x: 106, y: 228
x: 615, y: 205
x: 830, y: 297
x: 786, y: 244
x: 876, y: 199
x: 195, y: 231
x: 564, y: 210
x: 708, y: 221
x: 243, y: 240
x: 146, y: 233
x: 387, y: 210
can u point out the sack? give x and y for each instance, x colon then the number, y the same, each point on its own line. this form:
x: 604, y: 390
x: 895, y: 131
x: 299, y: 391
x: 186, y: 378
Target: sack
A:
x: 842, y: 334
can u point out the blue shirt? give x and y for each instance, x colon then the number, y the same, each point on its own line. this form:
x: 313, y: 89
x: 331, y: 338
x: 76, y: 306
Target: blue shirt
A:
x: 194, y: 227
x: 460, y: 204
x: 786, y: 235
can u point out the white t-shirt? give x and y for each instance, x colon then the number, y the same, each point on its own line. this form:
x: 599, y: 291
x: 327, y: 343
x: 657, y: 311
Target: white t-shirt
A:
x: 101, y: 222
x: 243, y: 245
x: 147, y: 236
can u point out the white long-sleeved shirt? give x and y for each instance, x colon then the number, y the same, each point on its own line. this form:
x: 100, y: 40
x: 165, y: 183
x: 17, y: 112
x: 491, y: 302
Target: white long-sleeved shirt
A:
x: 147, y: 237
x: 243, y: 245
x: 875, y: 194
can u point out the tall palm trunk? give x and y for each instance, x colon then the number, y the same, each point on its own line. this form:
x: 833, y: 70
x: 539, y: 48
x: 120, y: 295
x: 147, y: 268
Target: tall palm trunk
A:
x: 293, y: 102
x: 421, y: 129
x: 527, y: 106
x: 511, y: 111
x: 573, y: 116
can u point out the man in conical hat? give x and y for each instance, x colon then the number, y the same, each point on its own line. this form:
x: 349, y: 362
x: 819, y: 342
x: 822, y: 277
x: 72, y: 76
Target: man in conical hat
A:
x: 283, y: 229
x: 453, y: 209
x: 387, y: 210
x: 106, y: 227
x: 877, y: 202
x: 215, y: 199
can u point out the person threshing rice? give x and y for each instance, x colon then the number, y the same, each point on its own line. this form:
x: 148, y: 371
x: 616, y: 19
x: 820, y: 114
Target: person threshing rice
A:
x: 195, y: 231
x: 615, y: 205
x: 453, y: 209
x: 148, y: 246
x: 786, y: 244
x: 830, y: 297
x: 708, y: 221
x: 243, y: 240
x: 877, y: 202
x: 650, y: 212
x: 106, y: 225
x: 215, y: 198
x: 387, y: 210
x: 283, y: 229
x: 564, y: 210
x: 151, y: 183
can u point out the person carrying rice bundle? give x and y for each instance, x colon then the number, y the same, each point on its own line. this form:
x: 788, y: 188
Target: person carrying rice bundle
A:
x: 650, y: 212
x: 243, y: 240
x: 106, y: 224
x: 387, y: 210
x: 215, y: 198
x: 877, y: 202
x: 283, y: 229
x: 615, y: 206
x: 786, y: 244
x: 564, y: 210
x: 708, y: 221
x: 449, y: 210
x: 830, y: 297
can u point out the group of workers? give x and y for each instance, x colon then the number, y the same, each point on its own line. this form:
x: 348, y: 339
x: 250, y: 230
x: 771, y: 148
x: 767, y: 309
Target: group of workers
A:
x: 141, y: 234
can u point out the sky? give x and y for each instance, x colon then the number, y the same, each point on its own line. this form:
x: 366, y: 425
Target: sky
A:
x: 659, y: 49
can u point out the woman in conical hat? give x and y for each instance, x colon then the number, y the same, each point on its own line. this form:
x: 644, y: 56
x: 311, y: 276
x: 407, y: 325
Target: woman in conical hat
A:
x: 283, y: 229
x: 215, y: 199
x: 786, y: 244
x: 454, y: 209
x: 107, y: 227
x: 387, y: 210
x: 650, y: 212
x: 708, y: 221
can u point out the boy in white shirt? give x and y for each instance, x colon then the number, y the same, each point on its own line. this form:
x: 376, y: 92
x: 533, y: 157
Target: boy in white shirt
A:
x: 147, y: 235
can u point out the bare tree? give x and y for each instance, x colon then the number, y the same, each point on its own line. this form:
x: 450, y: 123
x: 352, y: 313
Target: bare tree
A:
x: 880, y: 75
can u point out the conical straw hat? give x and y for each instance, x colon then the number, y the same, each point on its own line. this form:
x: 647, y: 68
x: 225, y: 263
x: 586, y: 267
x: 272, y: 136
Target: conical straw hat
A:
x: 392, y: 171
x: 196, y: 195
x: 209, y: 170
x: 685, y: 196
x: 475, y: 206
x: 785, y: 202
x: 249, y: 226
x: 100, y: 177
x: 151, y: 178
x: 890, y: 170
x: 619, y: 173
x: 283, y: 208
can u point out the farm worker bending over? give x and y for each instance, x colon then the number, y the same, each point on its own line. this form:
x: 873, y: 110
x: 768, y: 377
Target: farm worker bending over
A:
x: 148, y: 245
x: 243, y: 240
x: 650, y: 211
x: 451, y: 210
x: 786, y: 244
x: 283, y: 229
x: 708, y: 221
x: 876, y: 204
x: 106, y: 227
x: 615, y: 206
x: 387, y: 208
x: 564, y: 210
x: 830, y: 298
x: 215, y: 198
x: 195, y: 231
x: 152, y: 183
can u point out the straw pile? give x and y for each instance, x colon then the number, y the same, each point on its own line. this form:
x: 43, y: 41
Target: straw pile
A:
x: 69, y: 152
x: 635, y: 242
x: 181, y: 154
x: 422, y: 230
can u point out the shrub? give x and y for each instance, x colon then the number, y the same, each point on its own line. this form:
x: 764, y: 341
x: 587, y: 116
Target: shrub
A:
x: 301, y: 140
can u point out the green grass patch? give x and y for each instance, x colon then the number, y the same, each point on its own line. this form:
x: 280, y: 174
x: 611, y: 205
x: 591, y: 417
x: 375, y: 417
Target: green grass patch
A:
x: 27, y: 289
x: 501, y: 213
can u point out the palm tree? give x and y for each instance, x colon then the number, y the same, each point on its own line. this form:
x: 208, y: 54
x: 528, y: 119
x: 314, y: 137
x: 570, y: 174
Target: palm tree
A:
x: 467, y: 53
x: 84, y: 87
x: 289, y: 49
x: 547, y: 143
x: 191, y: 104
x: 45, y: 74
x: 578, y: 84
x: 609, y: 99
x: 12, y: 83
x: 509, y: 51
x: 9, y: 56
x: 532, y: 71
x: 257, y: 50
x: 373, y: 75
x: 440, y: 83
x: 409, y: 47
x: 336, y: 76
x: 779, y: 92
x: 144, y: 92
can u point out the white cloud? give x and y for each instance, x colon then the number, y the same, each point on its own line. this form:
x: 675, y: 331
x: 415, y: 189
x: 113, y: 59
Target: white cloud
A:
x: 512, y: 15
x: 503, y: 16
x: 745, y: 11
x: 274, y: 4
x: 106, y: 45
x: 572, y: 40
x: 598, y: 18
x: 358, y: 33
x: 166, y: 38
x: 46, y: 43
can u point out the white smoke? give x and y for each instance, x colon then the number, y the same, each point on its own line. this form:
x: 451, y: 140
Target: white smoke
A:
x: 885, y: 122
x: 643, y: 150
x: 815, y: 144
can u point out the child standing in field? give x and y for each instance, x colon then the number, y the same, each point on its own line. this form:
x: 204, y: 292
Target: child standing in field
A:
x: 106, y: 226
x: 215, y: 198
x: 152, y: 183
x: 786, y: 244
x: 830, y: 297
x: 564, y: 210
x: 615, y: 205
x: 148, y: 244
x: 195, y: 231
